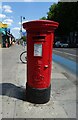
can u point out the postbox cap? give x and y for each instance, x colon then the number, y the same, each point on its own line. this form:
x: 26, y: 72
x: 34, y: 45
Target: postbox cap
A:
x: 40, y: 25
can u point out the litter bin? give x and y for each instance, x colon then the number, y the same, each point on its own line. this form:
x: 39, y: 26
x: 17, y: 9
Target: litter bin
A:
x: 40, y: 36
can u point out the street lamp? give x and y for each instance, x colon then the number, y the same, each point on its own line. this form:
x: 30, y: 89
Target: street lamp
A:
x: 21, y: 24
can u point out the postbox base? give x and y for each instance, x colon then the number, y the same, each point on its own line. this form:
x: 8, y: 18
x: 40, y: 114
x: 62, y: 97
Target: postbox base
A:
x: 37, y: 96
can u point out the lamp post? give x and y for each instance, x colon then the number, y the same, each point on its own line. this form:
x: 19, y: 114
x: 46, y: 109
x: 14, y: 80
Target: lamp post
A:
x: 21, y: 25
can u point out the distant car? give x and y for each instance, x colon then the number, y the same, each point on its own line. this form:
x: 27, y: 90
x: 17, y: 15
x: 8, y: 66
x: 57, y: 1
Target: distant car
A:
x: 64, y: 45
x: 58, y: 44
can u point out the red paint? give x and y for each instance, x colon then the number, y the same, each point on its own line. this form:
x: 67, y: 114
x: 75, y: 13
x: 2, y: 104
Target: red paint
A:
x: 39, y: 67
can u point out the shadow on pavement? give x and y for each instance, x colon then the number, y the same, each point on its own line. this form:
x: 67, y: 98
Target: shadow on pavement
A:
x: 11, y: 90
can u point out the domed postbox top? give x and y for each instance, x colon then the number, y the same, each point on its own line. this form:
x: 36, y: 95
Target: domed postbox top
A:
x: 40, y: 25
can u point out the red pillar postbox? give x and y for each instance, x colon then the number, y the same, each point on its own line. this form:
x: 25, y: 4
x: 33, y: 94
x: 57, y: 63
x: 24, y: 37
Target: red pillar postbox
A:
x: 40, y: 36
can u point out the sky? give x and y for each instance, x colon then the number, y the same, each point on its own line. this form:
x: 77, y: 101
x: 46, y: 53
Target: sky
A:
x: 11, y: 12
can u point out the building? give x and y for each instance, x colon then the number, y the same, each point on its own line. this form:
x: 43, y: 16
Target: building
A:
x: 6, y: 37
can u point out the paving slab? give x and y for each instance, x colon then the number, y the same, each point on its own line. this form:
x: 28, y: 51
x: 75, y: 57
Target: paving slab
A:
x: 28, y: 110
x: 60, y: 69
x: 0, y: 110
x: 21, y: 74
x: 8, y: 99
x: 58, y: 76
x: 70, y: 107
x: 8, y: 109
x: 63, y: 89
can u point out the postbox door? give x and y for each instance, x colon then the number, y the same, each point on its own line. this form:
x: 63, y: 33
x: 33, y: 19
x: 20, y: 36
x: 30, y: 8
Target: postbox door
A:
x: 47, y: 59
x: 42, y: 62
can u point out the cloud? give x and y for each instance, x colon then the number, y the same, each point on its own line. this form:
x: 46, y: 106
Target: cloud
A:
x: 7, y: 9
x: 16, y: 28
x: 23, y: 30
x: 23, y: 22
x: 2, y: 16
x: 19, y: 23
x: 16, y: 32
x: 8, y: 21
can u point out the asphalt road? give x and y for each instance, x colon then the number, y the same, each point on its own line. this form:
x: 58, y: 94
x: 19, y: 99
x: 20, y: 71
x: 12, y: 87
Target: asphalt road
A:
x: 68, y: 53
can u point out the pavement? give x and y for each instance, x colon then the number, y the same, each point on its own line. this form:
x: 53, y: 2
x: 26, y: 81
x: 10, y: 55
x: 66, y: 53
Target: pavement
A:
x: 13, y: 78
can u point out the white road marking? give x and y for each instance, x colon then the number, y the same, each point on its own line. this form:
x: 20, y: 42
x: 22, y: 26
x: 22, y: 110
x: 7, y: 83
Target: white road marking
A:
x: 70, y: 54
x: 70, y: 49
x: 66, y: 53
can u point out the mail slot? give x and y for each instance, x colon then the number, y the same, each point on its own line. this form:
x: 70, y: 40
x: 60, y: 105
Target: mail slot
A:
x: 40, y: 36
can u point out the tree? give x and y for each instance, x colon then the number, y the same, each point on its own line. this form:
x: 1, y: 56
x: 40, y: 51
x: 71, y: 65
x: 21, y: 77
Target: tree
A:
x: 52, y: 12
x: 43, y: 18
x: 66, y: 13
x: 24, y: 38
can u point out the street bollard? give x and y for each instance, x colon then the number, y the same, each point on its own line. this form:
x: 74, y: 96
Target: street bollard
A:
x: 40, y: 36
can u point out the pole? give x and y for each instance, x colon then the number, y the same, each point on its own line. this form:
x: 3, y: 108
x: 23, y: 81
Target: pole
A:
x: 21, y: 26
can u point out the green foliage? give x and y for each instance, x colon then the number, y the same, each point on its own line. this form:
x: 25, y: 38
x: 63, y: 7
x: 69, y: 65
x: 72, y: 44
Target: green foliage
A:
x: 43, y: 18
x: 52, y: 12
x: 24, y: 38
x: 66, y: 13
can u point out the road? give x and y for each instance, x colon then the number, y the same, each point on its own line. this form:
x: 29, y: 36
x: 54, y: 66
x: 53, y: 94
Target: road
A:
x: 66, y: 57
x: 69, y: 53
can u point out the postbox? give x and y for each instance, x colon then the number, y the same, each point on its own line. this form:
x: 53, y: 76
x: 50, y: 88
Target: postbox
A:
x: 40, y: 36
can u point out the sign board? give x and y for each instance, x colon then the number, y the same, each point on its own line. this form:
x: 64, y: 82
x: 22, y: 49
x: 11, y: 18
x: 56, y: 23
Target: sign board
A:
x: 37, y: 49
x: 3, y: 25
